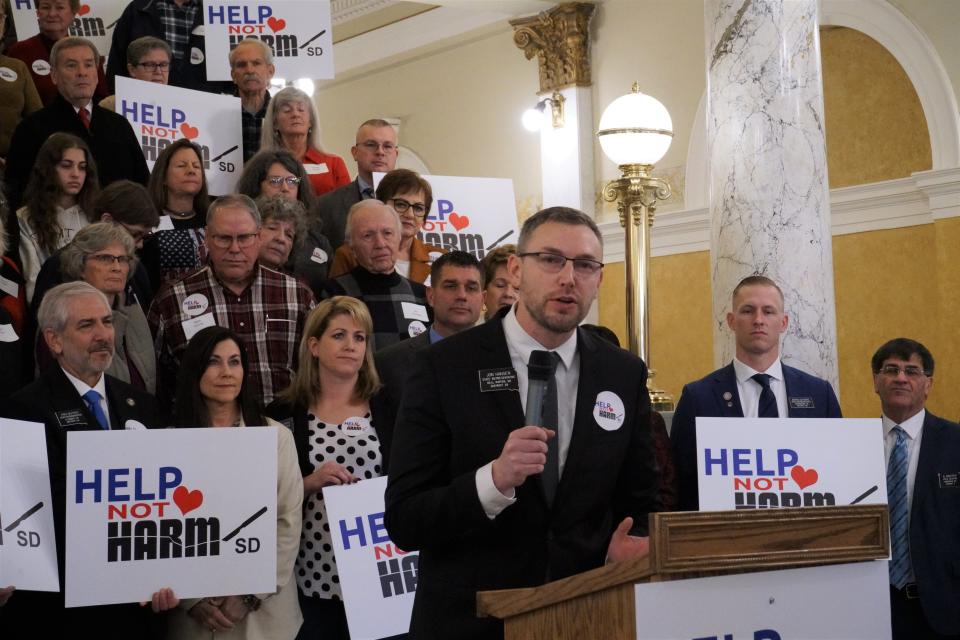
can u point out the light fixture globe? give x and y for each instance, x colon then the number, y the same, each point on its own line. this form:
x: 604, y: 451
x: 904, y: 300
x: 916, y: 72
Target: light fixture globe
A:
x: 635, y: 129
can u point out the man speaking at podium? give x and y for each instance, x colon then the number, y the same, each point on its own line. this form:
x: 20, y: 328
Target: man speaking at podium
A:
x: 491, y: 503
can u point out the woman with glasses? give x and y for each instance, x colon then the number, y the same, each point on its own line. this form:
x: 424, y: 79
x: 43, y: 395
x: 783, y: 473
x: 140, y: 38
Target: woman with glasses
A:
x: 274, y: 173
x: 213, y: 392
x: 291, y: 123
x: 334, y: 408
x: 58, y: 201
x: 148, y: 59
x: 178, y: 186
x: 411, y: 197
x: 102, y: 255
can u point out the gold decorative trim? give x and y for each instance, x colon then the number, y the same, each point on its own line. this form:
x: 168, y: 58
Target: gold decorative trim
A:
x: 560, y: 39
x: 608, y: 132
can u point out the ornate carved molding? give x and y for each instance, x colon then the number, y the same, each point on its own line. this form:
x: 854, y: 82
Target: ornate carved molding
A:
x: 560, y: 39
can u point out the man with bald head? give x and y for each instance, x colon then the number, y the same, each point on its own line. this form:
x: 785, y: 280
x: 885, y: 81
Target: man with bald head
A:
x: 264, y: 307
x: 375, y: 151
x: 398, y: 305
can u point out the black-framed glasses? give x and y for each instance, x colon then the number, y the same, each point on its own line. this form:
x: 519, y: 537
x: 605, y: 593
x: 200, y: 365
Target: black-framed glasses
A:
x: 153, y: 66
x: 107, y: 259
x: 401, y: 206
x: 911, y: 371
x: 221, y: 241
x: 276, y: 181
x: 373, y: 146
x: 554, y: 263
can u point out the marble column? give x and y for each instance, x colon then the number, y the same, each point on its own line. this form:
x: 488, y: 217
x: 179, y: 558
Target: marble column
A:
x: 769, y: 204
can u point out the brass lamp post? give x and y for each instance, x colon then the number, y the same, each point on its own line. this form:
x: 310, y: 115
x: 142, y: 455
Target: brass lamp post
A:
x: 635, y: 132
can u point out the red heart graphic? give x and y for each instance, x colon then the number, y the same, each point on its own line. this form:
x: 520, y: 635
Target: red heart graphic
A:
x: 458, y: 221
x: 276, y: 24
x: 187, y: 500
x: 804, y: 477
x: 83, y: 10
x: 189, y: 132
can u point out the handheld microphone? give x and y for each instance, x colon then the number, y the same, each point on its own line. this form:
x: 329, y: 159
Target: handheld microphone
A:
x: 539, y: 370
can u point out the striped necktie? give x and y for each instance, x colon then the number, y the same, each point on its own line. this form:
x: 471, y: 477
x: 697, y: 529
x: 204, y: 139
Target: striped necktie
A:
x: 900, y: 570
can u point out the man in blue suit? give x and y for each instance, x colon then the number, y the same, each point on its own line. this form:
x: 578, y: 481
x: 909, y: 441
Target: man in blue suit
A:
x: 923, y: 493
x: 755, y: 384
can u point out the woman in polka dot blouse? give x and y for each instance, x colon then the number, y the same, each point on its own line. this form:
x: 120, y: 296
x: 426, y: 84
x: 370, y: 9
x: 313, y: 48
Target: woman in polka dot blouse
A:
x: 332, y: 407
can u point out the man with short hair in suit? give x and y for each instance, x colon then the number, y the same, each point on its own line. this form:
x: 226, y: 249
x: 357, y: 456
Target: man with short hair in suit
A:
x: 111, y: 139
x: 755, y: 384
x: 76, y: 322
x: 491, y: 503
x: 456, y: 297
x: 375, y: 150
x: 923, y: 495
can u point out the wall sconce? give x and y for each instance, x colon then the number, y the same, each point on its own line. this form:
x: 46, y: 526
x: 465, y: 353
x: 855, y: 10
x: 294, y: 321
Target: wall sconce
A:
x: 533, y: 119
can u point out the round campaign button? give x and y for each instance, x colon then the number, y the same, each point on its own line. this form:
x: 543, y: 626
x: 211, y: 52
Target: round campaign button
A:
x: 356, y: 426
x: 41, y: 67
x: 415, y: 328
x: 319, y: 255
x: 608, y: 411
x: 195, y: 304
x: 8, y: 74
x: 196, y: 56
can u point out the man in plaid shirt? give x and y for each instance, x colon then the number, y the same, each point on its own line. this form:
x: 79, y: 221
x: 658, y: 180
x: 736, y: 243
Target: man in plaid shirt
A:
x: 266, y: 308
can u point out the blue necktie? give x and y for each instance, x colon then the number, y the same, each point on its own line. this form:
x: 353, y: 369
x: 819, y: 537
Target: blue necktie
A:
x: 768, y: 402
x: 92, y: 398
x: 900, y: 571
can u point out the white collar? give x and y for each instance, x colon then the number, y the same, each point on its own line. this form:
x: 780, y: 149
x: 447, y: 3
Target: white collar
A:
x: 745, y: 372
x: 82, y: 387
x: 522, y: 343
x: 911, y: 425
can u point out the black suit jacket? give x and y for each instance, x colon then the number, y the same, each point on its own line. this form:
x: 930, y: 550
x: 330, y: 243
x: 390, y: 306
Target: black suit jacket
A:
x: 448, y: 428
x: 393, y: 366
x: 111, y: 140
x: 707, y: 397
x: 333, y: 208
x: 935, y: 524
x: 48, y: 400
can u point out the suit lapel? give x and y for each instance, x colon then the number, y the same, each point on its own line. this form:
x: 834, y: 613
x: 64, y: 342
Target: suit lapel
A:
x: 495, y: 355
x: 726, y: 394
x: 67, y: 403
x: 122, y: 405
x: 926, y: 464
x: 794, y: 387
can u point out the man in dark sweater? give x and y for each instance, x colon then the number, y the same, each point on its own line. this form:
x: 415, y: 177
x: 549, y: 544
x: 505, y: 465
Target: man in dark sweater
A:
x: 397, y: 305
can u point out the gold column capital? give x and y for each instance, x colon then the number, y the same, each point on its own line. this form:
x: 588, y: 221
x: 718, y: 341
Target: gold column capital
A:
x: 560, y: 39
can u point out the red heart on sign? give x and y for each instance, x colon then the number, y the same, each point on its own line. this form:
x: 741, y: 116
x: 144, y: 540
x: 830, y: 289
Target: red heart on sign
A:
x: 187, y: 500
x: 458, y: 221
x: 276, y: 24
x: 83, y: 10
x: 189, y: 132
x: 804, y: 477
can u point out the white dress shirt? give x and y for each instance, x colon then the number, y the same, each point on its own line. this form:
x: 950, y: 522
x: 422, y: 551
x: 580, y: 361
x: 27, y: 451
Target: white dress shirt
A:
x: 520, y: 344
x: 82, y: 387
x: 749, y: 389
x: 913, y: 426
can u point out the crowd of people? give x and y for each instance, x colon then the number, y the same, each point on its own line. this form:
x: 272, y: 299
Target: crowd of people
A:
x: 307, y: 302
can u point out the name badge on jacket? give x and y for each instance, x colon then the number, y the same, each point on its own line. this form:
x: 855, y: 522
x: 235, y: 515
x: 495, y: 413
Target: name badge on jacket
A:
x: 504, y: 379
x: 801, y: 403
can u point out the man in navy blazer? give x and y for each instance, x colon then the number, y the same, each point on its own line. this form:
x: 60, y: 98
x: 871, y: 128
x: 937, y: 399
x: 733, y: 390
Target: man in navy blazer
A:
x: 925, y: 602
x: 466, y: 484
x: 755, y: 384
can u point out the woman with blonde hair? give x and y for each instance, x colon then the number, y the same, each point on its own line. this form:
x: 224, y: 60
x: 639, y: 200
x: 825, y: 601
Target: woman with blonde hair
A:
x: 333, y: 407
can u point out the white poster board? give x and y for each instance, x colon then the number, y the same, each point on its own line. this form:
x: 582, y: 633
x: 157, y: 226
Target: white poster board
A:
x: 161, y: 114
x: 837, y: 602
x: 378, y: 580
x: 94, y: 21
x: 28, y: 550
x: 299, y: 33
x: 190, y: 509
x: 474, y: 215
x: 763, y: 463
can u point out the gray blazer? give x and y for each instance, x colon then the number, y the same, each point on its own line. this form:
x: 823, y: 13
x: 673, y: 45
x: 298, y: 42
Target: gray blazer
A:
x: 333, y: 208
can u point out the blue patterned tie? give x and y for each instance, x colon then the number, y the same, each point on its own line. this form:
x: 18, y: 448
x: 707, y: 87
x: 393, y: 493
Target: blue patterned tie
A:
x: 768, y: 402
x: 899, y: 515
x: 92, y: 398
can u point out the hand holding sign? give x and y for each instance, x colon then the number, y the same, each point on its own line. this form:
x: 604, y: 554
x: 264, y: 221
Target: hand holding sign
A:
x: 524, y: 454
x: 329, y: 473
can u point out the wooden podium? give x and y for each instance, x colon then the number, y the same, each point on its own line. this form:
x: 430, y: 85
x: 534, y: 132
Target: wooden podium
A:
x: 600, y: 603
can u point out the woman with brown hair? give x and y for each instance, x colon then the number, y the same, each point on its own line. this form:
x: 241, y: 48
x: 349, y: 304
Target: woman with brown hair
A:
x: 333, y: 406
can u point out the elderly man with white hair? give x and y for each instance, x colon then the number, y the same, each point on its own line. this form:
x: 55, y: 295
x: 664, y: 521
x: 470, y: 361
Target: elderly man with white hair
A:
x: 398, y: 305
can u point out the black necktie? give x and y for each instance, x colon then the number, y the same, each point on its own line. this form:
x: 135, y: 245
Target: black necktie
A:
x: 768, y: 402
x: 367, y: 193
x: 551, y: 420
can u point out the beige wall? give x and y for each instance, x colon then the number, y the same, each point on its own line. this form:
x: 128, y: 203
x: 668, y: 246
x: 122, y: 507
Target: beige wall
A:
x: 939, y: 20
